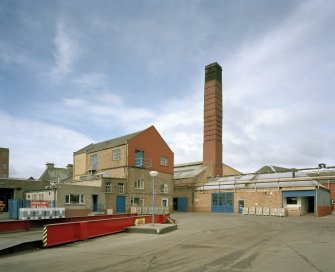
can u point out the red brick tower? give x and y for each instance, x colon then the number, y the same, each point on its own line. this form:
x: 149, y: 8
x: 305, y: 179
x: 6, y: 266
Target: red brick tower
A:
x: 212, y: 149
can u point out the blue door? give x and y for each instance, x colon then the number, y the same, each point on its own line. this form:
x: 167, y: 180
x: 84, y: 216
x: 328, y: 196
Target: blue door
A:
x: 120, y: 204
x: 223, y: 202
x: 13, y: 208
x: 228, y: 202
x: 95, y: 203
x: 182, y: 204
x: 217, y: 202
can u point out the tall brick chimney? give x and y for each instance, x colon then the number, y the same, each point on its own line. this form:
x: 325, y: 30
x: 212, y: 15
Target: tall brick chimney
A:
x: 212, y: 149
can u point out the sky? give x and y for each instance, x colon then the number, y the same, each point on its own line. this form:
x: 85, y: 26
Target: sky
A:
x: 79, y: 72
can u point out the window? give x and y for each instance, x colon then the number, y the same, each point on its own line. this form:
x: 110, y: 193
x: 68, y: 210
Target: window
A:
x: 40, y: 196
x: 74, y: 199
x: 165, y: 202
x: 139, y: 184
x: 120, y: 188
x: 164, y: 188
x: 116, y: 154
x: 139, y: 158
x: 137, y: 201
x: 164, y: 161
x: 94, y: 161
x: 34, y: 197
x: 108, y: 187
x: 292, y: 201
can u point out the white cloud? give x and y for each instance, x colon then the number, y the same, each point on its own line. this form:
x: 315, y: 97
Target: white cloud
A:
x: 67, y: 51
x: 273, y: 98
x: 33, y: 143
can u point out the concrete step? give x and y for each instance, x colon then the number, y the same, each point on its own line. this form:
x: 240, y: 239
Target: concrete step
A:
x: 150, y: 229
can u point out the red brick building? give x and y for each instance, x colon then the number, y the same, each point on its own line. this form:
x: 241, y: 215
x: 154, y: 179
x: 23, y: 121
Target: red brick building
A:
x: 4, y: 162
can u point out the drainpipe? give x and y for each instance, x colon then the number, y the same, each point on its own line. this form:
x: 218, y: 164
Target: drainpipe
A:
x: 316, y: 212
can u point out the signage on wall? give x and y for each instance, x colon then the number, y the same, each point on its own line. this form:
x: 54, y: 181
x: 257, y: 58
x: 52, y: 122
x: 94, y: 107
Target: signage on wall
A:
x: 39, y: 204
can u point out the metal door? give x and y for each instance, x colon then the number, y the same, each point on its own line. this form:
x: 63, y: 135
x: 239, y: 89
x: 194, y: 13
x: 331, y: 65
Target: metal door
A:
x: 228, y: 202
x: 217, y: 202
x: 182, y: 204
x: 95, y: 203
x: 223, y: 202
x: 240, y: 206
x: 120, y: 204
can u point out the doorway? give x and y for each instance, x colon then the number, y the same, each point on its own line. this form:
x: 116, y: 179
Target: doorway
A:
x: 95, y: 207
x: 240, y: 206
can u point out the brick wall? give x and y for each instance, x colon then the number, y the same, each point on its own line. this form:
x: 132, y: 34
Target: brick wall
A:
x: 324, y: 210
x: 271, y: 199
x: 202, y: 201
x: 267, y: 199
x: 135, y: 173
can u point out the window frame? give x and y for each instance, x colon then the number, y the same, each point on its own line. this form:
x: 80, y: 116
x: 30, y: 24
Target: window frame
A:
x: 70, y: 201
x: 292, y: 201
x: 139, y: 182
x: 108, y: 187
x: 141, y: 201
x: 165, y: 188
x: 120, y: 189
x: 165, y: 200
x: 164, y: 161
x: 94, y: 161
x: 116, y: 154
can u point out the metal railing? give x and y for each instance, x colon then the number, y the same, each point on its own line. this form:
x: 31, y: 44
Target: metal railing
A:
x: 143, y: 163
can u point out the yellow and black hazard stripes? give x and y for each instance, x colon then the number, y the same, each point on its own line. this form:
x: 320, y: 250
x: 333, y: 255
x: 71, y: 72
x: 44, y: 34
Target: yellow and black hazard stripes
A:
x: 45, y: 236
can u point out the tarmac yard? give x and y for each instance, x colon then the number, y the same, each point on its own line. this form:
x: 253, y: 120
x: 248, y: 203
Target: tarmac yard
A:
x: 202, y: 242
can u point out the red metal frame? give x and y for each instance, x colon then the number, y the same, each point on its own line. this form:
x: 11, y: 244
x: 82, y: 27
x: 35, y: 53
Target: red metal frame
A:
x: 56, y: 234
x: 24, y: 225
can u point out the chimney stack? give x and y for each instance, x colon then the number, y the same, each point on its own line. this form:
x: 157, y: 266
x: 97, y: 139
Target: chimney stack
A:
x: 212, y: 149
x: 50, y: 165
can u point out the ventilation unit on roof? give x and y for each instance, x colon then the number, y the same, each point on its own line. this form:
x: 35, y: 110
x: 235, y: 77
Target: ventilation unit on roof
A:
x: 322, y: 165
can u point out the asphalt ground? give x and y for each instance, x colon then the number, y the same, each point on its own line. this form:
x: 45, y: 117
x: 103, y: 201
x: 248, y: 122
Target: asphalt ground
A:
x: 202, y: 242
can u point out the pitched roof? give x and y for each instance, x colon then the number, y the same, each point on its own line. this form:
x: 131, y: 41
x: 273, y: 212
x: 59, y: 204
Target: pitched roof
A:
x: 91, y: 148
x: 193, y: 169
x: 188, y: 170
x: 56, y: 174
x: 272, y: 169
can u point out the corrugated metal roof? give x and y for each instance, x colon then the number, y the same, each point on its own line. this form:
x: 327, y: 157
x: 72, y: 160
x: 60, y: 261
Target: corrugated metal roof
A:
x: 91, y: 148
x: 189, y: 170
x: 260, y: 181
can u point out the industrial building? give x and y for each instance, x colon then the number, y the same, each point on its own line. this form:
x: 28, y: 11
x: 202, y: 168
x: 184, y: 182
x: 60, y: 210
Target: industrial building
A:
x: 212, y: 186
x: 113, y: 176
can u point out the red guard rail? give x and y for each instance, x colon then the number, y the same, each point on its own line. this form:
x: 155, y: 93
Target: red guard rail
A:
x: 56, y: 234
x: 23, y: 225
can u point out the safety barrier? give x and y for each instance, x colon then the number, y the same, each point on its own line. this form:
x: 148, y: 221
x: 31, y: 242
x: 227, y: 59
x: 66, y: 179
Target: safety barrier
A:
x: 56, y: 234
x: 24, y: 225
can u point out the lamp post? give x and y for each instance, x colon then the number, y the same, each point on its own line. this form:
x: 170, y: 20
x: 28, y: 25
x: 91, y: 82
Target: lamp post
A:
x: 153, y: 174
